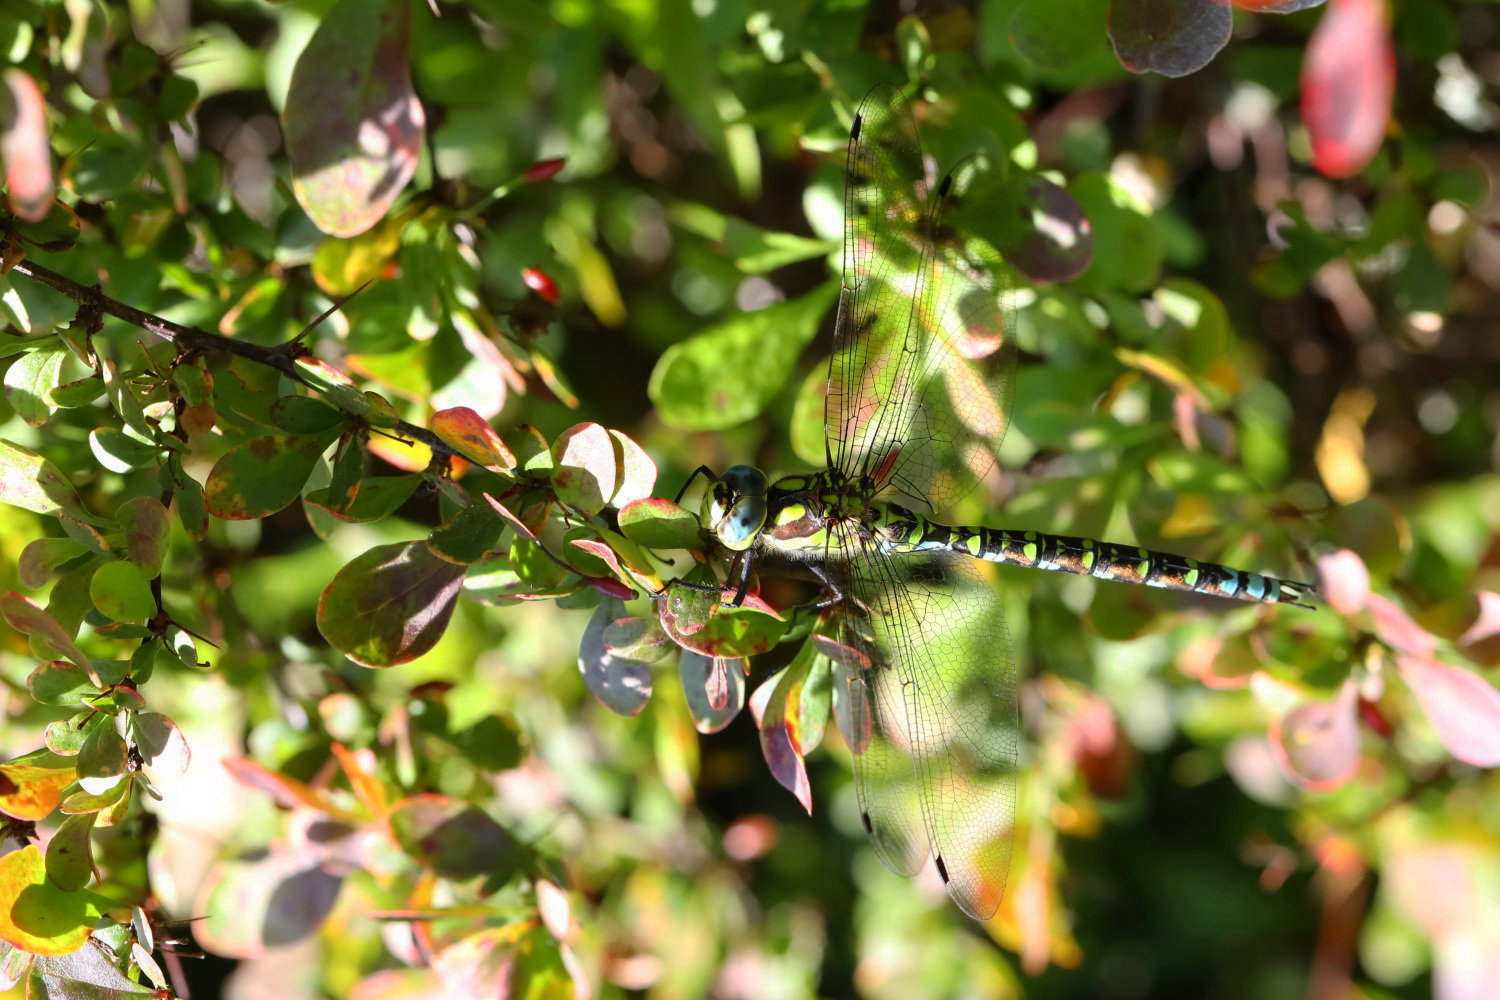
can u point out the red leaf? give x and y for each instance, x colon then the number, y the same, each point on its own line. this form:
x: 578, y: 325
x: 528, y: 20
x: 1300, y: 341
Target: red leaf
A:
x: 1463, y: 708
x: 779, y: 732
x: 1316, y: 744
x: 23, y: 146
x: 288, y: 792
x: 1396, y: 629
x: 470, y: 435
x: 1343, y: 581
x: 1348, y: 79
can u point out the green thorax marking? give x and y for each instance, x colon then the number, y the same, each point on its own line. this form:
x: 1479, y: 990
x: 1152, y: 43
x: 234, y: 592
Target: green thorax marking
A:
x: 806, y: 510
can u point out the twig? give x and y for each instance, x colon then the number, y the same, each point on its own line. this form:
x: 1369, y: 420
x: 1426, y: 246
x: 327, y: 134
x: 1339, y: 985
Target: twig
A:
x: 282, y: 357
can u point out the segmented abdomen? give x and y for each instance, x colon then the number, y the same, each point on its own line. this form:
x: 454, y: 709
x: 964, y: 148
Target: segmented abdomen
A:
x: 905, y: 531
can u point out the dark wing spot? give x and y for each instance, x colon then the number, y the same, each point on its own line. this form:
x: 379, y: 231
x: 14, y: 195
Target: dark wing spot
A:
x: 943, y: 187
x: 865, y: 818
x: 942, y: 869
x: 854, y: 133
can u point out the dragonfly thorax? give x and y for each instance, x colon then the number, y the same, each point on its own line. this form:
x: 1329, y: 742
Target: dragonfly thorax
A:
x: 791, y: 515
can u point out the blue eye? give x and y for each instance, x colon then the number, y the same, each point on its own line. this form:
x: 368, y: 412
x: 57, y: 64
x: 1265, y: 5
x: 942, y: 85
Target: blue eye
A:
x: 739, y: 529
x: 746, y: 480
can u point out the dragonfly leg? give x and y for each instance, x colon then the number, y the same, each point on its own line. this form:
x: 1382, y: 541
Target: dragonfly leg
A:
x: 743, y: 562
x: 702, y: 470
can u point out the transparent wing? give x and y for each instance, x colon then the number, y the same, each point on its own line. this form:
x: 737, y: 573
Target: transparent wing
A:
x: 919, y: 386
x: 939, y: 688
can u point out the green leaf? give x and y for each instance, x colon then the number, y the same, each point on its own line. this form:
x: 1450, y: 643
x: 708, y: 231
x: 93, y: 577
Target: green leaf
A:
x: 147, y: 528
x: 79, y: 392
x: 263, y: 475
x: 728, y: 373
x: 661, y: 524
x: 754, y: 250
x: 1127, y: 245
x: 29, y: 481
x: 70, y: 853
x: 42, y: 556
x: 389, y: 605
x: 101, y: 759
x: 305, y: 415
x: 467, y: 537
x: 353, y: 125
x: 37, y: 916
x: 192, y: 510
x: 1058, y: 34
x: 66, y: 736
x: 24, y: 616
x: 377, y: 497
x: 121, y: 591
x: 193, y: 382
x: 57, y: 682
x: 119, y: 451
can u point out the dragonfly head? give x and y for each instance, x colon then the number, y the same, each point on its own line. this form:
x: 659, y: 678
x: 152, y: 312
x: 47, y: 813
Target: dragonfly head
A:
x: 736, y: 507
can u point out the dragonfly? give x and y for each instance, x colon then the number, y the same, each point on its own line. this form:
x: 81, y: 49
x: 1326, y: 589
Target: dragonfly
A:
x: 919, y: 394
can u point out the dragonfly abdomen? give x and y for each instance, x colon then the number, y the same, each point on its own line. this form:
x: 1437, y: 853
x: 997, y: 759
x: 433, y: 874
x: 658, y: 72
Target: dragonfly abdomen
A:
x: 906, y: 531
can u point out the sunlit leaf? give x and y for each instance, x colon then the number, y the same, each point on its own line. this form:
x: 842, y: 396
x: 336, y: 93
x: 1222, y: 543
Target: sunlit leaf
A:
x: 35, y: 915
x: 352, y: 121
x: 1463, y: 707
x: 30, y: 793
x: 471, y: 436
x: 31, y: 482
x: 122, y: 592
x: 726, y: 374
x: 1396, y: 628
x: 1343, y: 581
x: 389, y: 605
x: 775, y: 708
x: 29, y: 382
x: 660, y: 524
x: 263, y: 475
x: 70, y: 855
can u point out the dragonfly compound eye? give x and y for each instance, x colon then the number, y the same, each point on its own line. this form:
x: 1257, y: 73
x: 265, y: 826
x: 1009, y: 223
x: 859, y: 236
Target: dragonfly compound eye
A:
x: 746, y: 480
x: 743, y: 523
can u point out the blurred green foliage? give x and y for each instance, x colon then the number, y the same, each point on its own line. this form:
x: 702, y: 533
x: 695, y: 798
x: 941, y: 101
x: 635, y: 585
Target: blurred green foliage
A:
x: 221, y: 504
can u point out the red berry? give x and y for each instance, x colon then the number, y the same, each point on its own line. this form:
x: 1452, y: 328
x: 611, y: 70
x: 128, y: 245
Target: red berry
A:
x: 540, y: 283
x: 544, y: 170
